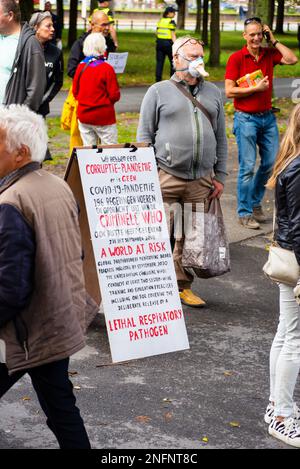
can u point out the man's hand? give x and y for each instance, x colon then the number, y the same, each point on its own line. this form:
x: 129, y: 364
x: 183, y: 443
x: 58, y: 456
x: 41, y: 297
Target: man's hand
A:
x: 263, y: 85
x: 218, y: 189
x: 266, y: 29
x: 297, y: 292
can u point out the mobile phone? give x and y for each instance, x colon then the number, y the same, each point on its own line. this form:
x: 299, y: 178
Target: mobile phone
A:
x: 267, y: 35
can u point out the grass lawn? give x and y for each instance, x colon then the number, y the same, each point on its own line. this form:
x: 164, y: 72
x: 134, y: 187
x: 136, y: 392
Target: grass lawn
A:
x: 140, y: 69
x: 127, y: 125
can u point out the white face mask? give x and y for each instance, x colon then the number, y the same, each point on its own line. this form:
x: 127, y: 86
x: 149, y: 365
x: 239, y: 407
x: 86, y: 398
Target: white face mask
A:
x: 195, y: 68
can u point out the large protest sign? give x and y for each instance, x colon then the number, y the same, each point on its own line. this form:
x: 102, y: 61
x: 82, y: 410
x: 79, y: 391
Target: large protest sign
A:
x: 132, y: 251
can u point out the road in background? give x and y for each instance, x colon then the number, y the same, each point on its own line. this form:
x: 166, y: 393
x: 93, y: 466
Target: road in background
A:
x: 131, y: 97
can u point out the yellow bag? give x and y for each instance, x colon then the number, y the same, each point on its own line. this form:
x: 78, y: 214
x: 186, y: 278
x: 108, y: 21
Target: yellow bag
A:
x: 67, y: 111
x: 68, y: 120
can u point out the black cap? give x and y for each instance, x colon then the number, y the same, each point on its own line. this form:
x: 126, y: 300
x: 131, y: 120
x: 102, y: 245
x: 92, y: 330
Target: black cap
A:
x: 170, y: 10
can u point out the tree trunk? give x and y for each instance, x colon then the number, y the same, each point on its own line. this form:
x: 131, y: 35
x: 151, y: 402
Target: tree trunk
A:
x: 72, y: 36
x: 94, y: 4
x: 26, y: 7
x: 181, y: 14
x: 280, y: 17
x: 214, y: 56
x: 198, y: 17
x: 60, y: 11
x: 205, y: 22
x: 271, y: 12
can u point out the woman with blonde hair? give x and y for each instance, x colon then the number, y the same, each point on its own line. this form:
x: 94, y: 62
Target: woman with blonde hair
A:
x: 282, y: 413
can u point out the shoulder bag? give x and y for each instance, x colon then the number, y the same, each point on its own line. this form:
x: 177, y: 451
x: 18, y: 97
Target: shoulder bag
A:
x: 282, y: 265
x: 195, y: 101
x: 206, y: 249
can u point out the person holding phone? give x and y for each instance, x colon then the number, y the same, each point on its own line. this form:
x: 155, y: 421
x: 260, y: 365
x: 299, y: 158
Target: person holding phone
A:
x: 254, y: 122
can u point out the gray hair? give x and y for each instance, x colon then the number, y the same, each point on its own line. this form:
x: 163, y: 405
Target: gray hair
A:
x: 38, y: 17
x: 24, y: 127
x: 94, y: 44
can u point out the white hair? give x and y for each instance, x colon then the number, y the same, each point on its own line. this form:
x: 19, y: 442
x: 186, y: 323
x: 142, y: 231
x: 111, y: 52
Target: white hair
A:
x: 94, y: 44
x: 24, y: 127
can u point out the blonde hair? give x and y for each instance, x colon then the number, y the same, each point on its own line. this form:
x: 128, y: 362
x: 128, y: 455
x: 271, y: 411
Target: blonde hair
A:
x: 289, y: 148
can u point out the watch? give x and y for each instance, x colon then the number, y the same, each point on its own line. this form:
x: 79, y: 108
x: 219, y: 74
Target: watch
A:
x: 274, y: 43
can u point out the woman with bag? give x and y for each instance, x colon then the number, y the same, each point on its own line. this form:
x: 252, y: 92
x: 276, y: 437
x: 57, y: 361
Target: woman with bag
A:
x: 96, y: 89
x: 282, y: 414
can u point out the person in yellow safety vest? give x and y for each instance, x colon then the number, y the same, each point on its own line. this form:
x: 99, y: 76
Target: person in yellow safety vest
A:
x: 104, y: 7
x: 165, y: 33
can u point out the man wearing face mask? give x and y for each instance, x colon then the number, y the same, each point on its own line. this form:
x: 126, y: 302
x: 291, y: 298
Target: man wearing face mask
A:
x: 190, y: 143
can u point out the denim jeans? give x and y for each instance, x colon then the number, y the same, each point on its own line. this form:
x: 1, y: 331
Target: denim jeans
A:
x: 55, y: 393
x: 252, y: 131
x: 285, y: 353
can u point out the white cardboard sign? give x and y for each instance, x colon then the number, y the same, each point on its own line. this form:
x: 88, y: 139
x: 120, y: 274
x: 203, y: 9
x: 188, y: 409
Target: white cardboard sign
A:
x: 118, y: 61
x: 132, y: 252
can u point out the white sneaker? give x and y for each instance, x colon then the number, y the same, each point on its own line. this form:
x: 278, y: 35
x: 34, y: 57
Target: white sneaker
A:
x: 270, y: 413
x: 287, y: 431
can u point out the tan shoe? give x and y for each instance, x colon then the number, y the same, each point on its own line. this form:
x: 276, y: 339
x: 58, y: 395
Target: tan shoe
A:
x: 259, y: 215
x: 249, y: 222
x: 190, y: 299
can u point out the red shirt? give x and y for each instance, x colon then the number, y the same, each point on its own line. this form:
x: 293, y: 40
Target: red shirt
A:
x: 96, y: 91
x: 242, y: 62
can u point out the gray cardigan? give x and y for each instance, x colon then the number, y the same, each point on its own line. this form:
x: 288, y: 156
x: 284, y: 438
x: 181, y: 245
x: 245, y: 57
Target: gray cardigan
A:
x: 185, y: 143
x: 27, y: 82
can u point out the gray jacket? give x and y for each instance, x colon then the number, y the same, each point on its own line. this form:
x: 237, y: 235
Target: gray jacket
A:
x: 27, y: 82
x: 185, y: 143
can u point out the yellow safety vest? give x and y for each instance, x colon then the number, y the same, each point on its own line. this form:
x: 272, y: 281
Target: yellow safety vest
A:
x: 164, y: 28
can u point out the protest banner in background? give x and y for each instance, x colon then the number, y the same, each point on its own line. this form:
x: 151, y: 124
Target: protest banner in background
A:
x: 132, y: 252
x: 118, y: 61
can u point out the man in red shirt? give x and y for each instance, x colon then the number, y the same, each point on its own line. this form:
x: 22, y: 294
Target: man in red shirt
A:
x: 254, y: 123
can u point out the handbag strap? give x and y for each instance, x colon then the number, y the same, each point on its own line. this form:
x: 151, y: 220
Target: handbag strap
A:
x: 274, y: 218
x: 84, y: 68
x: 194, y: 101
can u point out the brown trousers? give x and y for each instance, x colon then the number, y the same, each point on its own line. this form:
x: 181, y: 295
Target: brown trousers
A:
x: 181, y: 191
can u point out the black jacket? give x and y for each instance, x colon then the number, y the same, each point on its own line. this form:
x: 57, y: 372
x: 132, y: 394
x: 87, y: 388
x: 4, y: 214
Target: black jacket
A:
x: 55, y: 75
x: 287, y: 195
x: 27, y: 82
x: 76, y: 54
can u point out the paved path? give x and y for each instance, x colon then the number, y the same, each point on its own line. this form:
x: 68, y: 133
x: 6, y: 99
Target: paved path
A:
x: 218, y: 389
x: 131, y: 97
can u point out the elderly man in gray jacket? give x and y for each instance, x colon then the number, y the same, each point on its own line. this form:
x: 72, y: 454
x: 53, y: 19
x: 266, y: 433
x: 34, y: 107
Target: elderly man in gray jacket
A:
x: 190, y: 142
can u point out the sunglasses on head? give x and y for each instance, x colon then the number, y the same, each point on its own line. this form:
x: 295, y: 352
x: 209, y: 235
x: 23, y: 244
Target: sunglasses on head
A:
x: 251, y: 20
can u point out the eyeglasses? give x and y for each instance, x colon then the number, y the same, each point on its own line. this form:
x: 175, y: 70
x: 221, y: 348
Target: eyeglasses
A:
x: 251, y: 20
x: 192, y: 41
